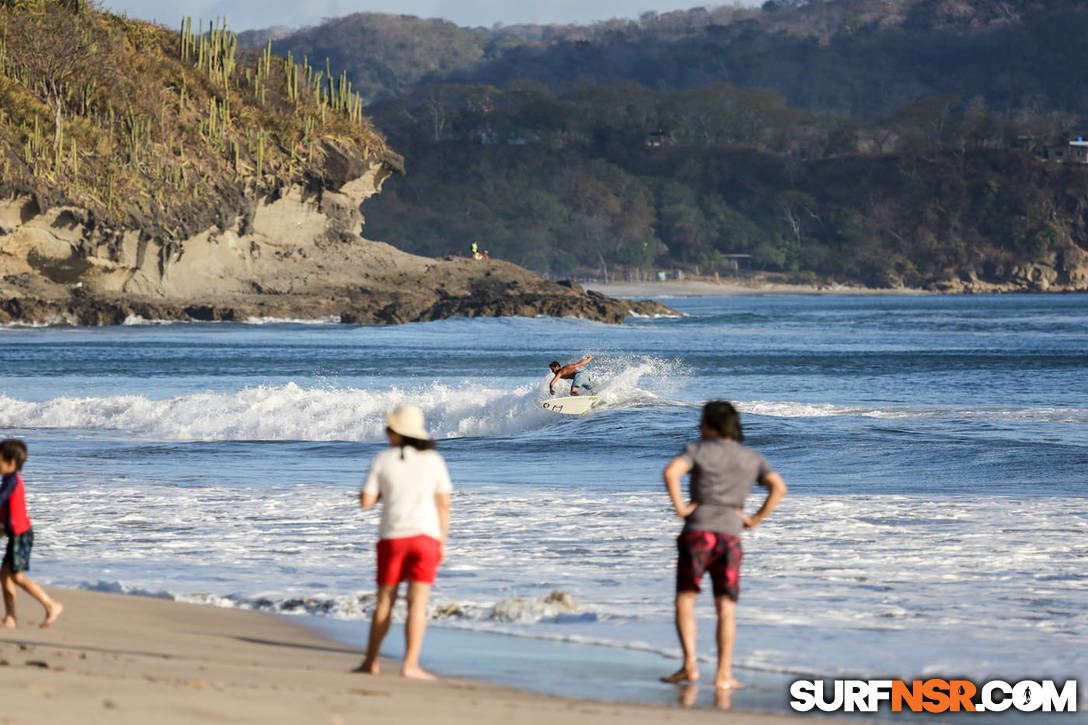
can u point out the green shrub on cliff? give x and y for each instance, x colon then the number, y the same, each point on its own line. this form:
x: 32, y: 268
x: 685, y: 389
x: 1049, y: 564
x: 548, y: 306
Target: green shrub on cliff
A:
x: 160, y: 130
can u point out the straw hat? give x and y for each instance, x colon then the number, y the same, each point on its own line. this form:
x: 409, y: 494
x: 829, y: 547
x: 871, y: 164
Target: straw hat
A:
x: 407, y: 420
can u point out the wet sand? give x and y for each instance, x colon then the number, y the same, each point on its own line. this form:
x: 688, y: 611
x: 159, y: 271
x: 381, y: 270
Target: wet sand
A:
x: 129, y: 659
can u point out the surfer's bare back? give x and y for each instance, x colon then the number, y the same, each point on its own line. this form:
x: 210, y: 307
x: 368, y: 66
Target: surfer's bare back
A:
x: 571, y: 372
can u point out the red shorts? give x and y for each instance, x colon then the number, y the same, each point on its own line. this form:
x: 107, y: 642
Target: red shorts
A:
x: 413, y: 558
x: 707, y: 551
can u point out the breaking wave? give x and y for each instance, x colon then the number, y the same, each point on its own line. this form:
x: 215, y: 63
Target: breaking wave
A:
x: 293, y: 412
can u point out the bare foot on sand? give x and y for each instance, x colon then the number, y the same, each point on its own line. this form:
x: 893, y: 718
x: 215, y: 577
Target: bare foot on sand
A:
x: 729, y: 684
x: 52, y: 611
x: 367, y: 668
x: 9, y: 622
x: 684, y: 674
x: 416, y: 673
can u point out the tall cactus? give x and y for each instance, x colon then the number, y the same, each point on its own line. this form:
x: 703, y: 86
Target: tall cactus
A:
x: 260, y: 153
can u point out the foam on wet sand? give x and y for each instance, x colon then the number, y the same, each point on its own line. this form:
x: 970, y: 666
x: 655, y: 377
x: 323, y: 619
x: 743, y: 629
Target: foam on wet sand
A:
x: 130, y: 659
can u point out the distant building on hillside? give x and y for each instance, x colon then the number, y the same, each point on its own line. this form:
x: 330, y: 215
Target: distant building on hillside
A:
x: 658, y: 138
x: 1078, y: 151
x: 1075, y: 152
x: 731, y: 262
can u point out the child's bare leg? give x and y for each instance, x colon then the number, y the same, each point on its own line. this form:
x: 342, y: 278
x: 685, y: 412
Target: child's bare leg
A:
x: 727, y: 635
x: 418, y: 593
x: 9, y: 595
x: 685, y: 628
x: 379, y: 627
x: 53, y: 608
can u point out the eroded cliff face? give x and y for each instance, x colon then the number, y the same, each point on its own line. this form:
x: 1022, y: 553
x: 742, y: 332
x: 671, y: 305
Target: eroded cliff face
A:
x: 297, y: 255
x: 1064, y: 269
x: 264, y: 249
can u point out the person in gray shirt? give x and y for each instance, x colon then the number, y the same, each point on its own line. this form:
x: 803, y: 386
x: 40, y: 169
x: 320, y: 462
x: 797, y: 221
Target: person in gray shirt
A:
x: 723, y: 473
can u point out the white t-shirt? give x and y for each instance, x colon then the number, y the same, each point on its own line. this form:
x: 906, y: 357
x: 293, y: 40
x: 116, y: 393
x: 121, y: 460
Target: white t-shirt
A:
x: 407, y: 488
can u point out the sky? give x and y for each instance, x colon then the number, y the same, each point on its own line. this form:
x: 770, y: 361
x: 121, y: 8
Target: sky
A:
x: 253, y: 14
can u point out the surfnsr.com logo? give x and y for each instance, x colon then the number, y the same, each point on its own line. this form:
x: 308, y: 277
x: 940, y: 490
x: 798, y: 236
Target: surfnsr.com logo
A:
x: 933, y: 695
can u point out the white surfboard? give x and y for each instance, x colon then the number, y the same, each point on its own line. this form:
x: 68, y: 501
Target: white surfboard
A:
x: 571, y: 405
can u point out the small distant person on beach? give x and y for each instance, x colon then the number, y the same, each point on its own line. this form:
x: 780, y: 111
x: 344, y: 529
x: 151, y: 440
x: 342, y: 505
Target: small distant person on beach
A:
x: 411, y: 480
x: 20, y: 536
x: 571, y: 372
x: 476, y: 251
x: 723, y: 473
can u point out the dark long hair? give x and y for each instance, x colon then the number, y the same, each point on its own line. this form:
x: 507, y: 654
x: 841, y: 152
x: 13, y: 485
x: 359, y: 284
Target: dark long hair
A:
x: 420, y: 444
x: 721, y: 416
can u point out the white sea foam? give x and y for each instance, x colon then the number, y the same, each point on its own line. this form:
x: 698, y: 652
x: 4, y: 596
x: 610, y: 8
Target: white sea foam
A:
x: 21, y: 325
x: 787, y: 409
x: 134, y: 320
x: 292, y: 412
x: 657, y: 316
x: 879, y: 574
x: 324, y: 320
x: 287, y: 412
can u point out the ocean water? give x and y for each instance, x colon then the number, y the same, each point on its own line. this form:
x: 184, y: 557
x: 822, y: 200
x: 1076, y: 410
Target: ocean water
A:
x: 935, y: 448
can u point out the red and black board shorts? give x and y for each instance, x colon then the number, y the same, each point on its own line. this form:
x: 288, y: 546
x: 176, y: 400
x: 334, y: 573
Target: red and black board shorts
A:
x: 17, y: 554
x: 708, y: 552
x: 412, y: 558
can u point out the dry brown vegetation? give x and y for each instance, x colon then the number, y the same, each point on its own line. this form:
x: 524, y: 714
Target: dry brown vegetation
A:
x: 165, y: 131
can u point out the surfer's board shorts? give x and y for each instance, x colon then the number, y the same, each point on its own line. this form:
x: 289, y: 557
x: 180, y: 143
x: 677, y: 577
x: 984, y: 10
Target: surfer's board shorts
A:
x: 17, y: 555
x: 413, y: 559
x: 708, y: 552
x: 578, y: 381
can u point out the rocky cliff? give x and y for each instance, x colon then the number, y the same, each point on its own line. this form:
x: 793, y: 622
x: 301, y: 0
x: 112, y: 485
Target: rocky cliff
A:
x: 1064, y: 269
x: 163, y: 175
x: 296, y: 255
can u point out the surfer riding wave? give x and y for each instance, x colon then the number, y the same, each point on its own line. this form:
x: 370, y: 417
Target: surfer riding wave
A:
x: 571, y: 372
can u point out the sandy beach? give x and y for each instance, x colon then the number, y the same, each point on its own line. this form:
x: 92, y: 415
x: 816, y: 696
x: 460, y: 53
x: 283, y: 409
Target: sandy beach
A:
x: 129, y: 659
x: 730, y: 286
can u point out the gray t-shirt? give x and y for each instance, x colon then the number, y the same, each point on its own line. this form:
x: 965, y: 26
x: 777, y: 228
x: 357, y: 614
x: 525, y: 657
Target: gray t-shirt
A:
x: 722, y: 475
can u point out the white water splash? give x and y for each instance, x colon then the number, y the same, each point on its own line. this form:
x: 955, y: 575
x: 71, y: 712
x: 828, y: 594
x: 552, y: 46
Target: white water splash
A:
x: 293, y: 412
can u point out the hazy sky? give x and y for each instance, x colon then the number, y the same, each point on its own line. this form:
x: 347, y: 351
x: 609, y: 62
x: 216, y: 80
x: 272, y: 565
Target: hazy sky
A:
x: 249, y: 14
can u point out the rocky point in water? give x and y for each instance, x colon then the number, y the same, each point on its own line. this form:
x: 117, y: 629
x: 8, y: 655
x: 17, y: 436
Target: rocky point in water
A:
x: 296, y: 257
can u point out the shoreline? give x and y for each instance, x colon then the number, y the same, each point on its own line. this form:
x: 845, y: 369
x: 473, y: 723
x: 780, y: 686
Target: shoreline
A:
x: 128, y: 659
x: 734, y: 286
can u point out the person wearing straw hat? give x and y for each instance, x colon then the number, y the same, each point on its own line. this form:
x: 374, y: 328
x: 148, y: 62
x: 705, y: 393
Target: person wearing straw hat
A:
x: 411, y: 480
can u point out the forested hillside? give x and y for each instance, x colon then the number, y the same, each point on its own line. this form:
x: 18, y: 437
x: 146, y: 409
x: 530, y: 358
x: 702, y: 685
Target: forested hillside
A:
x: 852, y: 140
x: 850, y: 57
x: 853, y: 57
x: 559, y: 183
